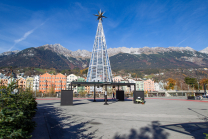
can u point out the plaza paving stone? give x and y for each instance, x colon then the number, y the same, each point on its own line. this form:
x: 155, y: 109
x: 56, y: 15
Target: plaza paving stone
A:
x: 158, y: 118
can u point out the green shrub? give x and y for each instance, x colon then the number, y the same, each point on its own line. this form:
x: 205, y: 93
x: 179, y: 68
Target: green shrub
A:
x: 17, y: 111
x: 206, y: 135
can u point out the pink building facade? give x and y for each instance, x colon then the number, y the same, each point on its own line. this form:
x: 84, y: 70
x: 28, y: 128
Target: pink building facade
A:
x: 117, y: 79
x: 149, y: 85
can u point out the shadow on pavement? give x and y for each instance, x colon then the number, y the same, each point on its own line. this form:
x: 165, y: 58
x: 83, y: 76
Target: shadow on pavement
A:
x: 193, y: 129
x: 79, y: 103
x: 109, y: 100
x: 205, y: 118
x: 128, y: 99
x: 61, y: 125
x: 97, y: 100
x: 153, y: 131
x: 76, y: 100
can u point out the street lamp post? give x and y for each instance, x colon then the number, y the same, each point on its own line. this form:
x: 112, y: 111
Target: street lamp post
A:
x: 35, y: 89
x: 46, y: 86
x: 198, y: 86
x: 60, y: 81
x: 106, y: 95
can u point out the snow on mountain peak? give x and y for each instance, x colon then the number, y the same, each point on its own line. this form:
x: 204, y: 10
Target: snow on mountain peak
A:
x: 205, y: 50
x: 147, y: 50
x: 10, y: 52
x: 66, y: 52
x: 81, y: 53
x: 113, y: 51
x: 187, y: 48
x: 57, y: 48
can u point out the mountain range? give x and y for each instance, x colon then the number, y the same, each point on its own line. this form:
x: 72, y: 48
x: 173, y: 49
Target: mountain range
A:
x: 57, y: 56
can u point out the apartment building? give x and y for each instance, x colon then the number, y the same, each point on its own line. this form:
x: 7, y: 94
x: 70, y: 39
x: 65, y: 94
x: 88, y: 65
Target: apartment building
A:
x: 159, y: 86
x: 139, y: 85
x: 4, y: 81
x: 70, y: 78
x: 21, y: 82
x: 149, y: 85
x: 132, y: 86
x: 36, y: 83
x: 49, y: 83
x: 117, y: 79
x: 87, y: 89
x: 45, y: 83
x: 60, y: 82
x: 29, y: 83
x: 80, y: 88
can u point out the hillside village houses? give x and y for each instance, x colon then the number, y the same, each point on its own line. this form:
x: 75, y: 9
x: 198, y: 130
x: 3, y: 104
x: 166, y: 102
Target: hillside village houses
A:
x: 46, y: 83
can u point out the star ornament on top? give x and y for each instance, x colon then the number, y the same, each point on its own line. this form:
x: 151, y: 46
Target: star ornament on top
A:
x: 100, y: 15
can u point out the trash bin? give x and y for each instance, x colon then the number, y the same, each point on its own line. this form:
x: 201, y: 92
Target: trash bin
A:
x: 66, y: 97
x: 120, y: 95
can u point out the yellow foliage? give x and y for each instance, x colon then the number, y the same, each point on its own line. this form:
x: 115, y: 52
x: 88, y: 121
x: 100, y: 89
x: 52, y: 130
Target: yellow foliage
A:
x: 81, y: 71
x: 134, y: 75
x: 204, y: 81
x: 184, y: 75
x: 171, y: 83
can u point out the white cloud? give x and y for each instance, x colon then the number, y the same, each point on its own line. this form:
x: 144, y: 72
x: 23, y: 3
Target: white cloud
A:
x: 25, y: 35
x: 181, y: 41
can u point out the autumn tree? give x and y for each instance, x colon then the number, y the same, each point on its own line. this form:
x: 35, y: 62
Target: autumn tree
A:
x: 204, y: 82
x: 83, y: 93
x: 52, y: 90
x: 133, y: 75
x: 171, y: 83
x: 84, y: 71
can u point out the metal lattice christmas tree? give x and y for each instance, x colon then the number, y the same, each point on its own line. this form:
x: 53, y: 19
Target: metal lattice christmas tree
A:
x: 99, y: 68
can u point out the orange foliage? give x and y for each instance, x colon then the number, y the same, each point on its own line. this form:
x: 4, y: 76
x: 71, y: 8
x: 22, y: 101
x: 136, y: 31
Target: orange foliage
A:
x: 171, y: 83
x: 204, y: 81
x: 83, y: 70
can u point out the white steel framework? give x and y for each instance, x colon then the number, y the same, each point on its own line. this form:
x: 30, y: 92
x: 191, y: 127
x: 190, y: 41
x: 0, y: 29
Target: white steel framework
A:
x: 99, y: 67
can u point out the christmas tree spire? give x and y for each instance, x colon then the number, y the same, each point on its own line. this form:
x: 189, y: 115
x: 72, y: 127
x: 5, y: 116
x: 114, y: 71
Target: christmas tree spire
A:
x: 99, y: 67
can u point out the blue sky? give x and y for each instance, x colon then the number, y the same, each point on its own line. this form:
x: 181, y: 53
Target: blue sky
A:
x: 130, y: 23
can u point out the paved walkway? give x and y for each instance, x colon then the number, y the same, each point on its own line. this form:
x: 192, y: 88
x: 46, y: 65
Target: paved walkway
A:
x: 159, y: 118
x: 164, y: 98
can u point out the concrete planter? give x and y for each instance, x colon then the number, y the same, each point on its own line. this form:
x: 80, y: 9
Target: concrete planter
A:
x: 191, y: 97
